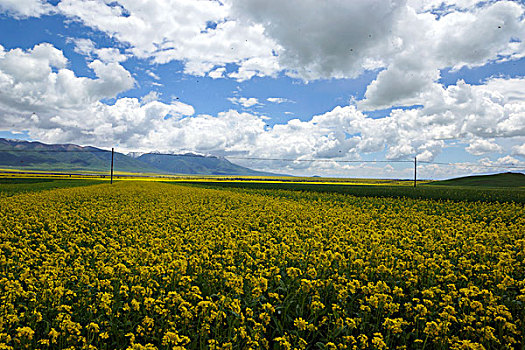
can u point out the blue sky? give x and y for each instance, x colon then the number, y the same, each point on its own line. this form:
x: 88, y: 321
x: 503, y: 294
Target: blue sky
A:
x: 300, y: 80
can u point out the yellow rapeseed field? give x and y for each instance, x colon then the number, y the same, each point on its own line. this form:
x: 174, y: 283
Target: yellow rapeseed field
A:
x: 162, y: 266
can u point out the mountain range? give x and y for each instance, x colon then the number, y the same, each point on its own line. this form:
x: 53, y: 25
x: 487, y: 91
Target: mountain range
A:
x: 33, y: 155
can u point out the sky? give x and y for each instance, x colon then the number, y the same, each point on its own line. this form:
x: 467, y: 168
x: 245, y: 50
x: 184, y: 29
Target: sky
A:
x: 332, y: 80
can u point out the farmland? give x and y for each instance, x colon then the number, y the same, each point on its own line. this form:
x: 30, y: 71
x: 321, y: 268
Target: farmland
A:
x: 150, y: 265
x: 426, y: 191
x: 10, y: 186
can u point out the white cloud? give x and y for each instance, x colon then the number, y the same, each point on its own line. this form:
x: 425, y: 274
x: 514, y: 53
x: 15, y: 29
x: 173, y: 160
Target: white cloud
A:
x: 128, y: 123
x: 88, y: 48
x: 485, y: 111
x: 69, y: 110
x: 243, y: 101
x: 256, y: 66
x: 25, y: 8
x: 153, y: 75
x: 109, y: 54
x: 342, y: 39
x: 457, y: 39
x: 163, y: 32
x: 217, y: 73
x: 278, y: 100
x: 473, y: 114
x: 83, y: 46
x: 307, y: 39
x: 37, y: 79
x: 508, y: 162
x: 113, y: 78
x: 327, y: 39
x: 150, y: 97
x: 479, y: 147
x: 519, y: 150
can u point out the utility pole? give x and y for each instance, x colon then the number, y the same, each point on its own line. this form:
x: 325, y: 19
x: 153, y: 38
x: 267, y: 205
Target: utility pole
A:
x: 415, y: 171
x: 112, y: 152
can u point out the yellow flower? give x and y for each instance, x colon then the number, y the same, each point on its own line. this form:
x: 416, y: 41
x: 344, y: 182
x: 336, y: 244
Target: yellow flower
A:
x: 54, y: 335
x: 432, y: 329
x: 293, y: 272
x: 82, y: 264
x: 300, y: 324
x: 25, y: 333
x: 283, y: 342
x: 135, y: 305
x: 316, y: 305
x: 378, y: 342
x: 93, y: 327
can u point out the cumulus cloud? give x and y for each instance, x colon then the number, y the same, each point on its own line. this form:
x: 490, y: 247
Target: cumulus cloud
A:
x: 163, y: 32
x: 325, y: 39
x: 506, y: 161
x: 217, y: 73
x: 481, y: 147
x: 83, y: 46
x: 308, y: 39
x: 41, y: 95
x: 477, y: 115
x: 150, y: 97
x: 128, y: 122
x: 69, y: 109
x: 110, y: 54
x: 341, y: 39
x: 37, y: 79
x: 25, y: 8
x: 519, y: 150
x: 484, y: 111
x: 457, y: 39
x: 243, y: 101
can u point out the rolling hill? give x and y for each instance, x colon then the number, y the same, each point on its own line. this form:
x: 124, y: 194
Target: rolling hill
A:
x: 495, y: 180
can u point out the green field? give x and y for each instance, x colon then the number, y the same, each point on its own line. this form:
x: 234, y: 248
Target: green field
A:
x: 10, y: 186
x: 455, y: 193
x: 496, y: 180
x: 491, y: 188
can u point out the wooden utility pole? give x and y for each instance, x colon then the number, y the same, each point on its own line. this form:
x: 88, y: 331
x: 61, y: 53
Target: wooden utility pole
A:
x: 415, y: 171
x: 112, y: 152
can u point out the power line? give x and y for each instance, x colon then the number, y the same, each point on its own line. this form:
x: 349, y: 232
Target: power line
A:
x: 54, y: 151
x: 374, y: 161
x: 506, y: 166
x: 323, y: 160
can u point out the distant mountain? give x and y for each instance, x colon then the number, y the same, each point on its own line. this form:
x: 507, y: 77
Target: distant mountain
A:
x: 26, y: 155
x: 190, y: 163
x: 64, y: 157
x: 495, y: 180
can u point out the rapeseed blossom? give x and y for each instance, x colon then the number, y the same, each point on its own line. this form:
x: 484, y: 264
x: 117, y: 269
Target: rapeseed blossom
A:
x: 162, y: 266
